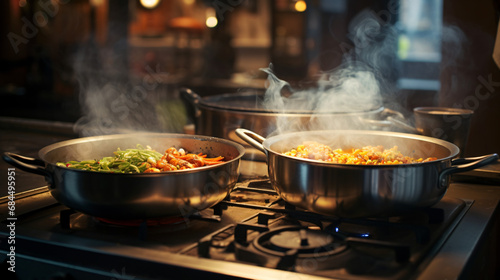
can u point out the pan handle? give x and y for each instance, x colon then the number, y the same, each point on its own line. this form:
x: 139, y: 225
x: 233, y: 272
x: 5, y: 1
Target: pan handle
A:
x: 458, y: 161
x: 466, y: 164
x: 191, y: 101
x: 255, y: 140
x: 27, y: 164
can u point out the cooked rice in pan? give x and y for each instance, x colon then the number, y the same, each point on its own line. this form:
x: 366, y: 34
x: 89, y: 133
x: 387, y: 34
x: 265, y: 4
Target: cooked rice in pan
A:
x: 368, y: 155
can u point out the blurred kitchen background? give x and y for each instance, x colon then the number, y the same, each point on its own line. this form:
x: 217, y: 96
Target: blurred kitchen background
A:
x: 88, y: 61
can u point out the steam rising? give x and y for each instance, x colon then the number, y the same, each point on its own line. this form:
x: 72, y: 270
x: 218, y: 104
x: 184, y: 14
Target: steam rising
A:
x: 344, y: 95
x: 352, y: 95
x: 335, y: 103
x: 114, y: 101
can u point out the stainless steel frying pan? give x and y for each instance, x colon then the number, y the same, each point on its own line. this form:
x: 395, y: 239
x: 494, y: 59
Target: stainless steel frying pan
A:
x: 135, y: 196
x: 348, y: 190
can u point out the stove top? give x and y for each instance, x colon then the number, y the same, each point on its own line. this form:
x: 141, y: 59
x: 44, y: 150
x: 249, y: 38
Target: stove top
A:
x: 330, y: 247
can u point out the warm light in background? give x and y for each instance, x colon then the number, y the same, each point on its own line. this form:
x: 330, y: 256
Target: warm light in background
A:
x: 150, y: 4
x: 300, y: 6
x: 96, y: 3
x: 211, y: 22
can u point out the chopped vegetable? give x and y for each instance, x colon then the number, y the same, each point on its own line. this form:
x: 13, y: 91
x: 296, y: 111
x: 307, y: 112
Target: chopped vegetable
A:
x: 124, y: 161
x: 144, y: 160
x: 368, y: 155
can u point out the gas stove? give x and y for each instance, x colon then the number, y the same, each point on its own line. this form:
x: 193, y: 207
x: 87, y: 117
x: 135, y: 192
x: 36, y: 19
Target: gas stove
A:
x: 253, y: 234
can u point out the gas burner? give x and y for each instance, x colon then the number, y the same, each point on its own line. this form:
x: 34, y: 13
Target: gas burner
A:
x: 74, y: 220
x: 299, y: 240
x: 290, y: 247
x: 307, y: 247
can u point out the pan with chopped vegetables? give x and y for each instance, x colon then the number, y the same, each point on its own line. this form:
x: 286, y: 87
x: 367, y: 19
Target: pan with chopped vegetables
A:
x: 137, y: 176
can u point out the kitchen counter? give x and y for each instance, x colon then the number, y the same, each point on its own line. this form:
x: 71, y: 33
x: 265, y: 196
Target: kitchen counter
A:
x: 27, y: 137
x: 489, y: 174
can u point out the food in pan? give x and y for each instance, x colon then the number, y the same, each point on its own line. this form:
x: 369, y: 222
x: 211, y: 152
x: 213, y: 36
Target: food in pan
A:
x: 144, y: 160
x: 368, y: 155
x: 174, y: 159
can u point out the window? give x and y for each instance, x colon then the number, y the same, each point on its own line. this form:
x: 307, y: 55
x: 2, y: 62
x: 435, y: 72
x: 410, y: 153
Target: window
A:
x: 420, y: 26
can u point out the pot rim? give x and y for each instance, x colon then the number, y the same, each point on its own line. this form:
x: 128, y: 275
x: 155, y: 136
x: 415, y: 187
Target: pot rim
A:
x: 453, y: 149
x: 43, y: 152
x: 214, y: 102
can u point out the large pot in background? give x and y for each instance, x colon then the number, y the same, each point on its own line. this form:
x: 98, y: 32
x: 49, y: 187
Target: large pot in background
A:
x: 221, y: 115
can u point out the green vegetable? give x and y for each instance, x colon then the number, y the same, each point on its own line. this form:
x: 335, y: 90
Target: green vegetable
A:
x: 124, y: 161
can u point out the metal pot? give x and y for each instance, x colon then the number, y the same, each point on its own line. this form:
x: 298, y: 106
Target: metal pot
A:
x: 221, y: 115
x: 135, y: 196
x: 347, y: 190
